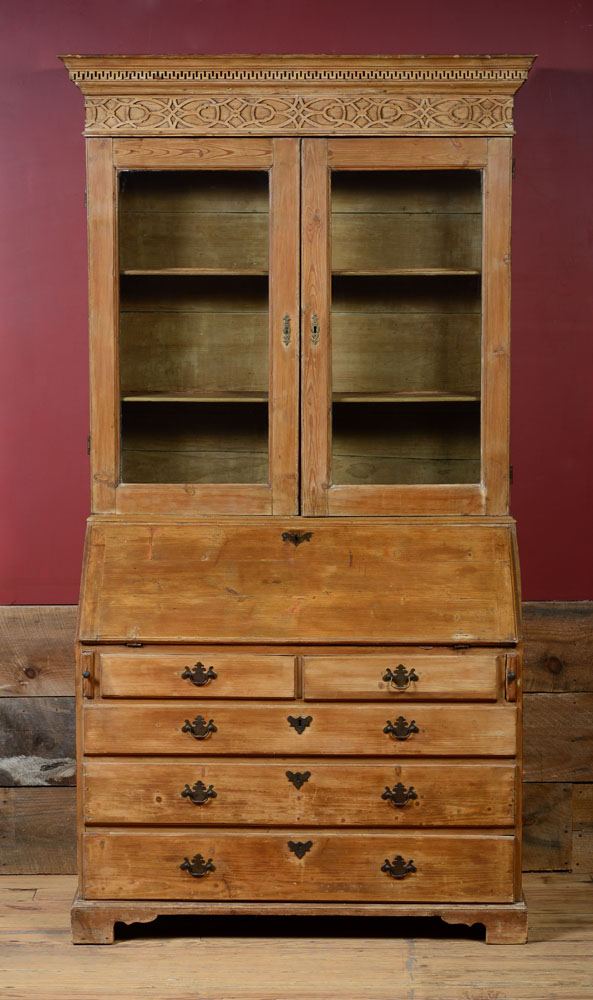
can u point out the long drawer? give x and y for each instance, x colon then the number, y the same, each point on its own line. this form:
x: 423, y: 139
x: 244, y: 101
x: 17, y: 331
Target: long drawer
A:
x: 298, y: 863
x: 257, y: 729
x: 474, y: 675
x: 307, y: 791
x: 202, y: 674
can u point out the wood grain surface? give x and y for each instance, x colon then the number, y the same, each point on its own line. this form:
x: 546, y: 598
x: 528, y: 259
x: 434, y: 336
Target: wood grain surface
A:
x: 326, y: 792
x: 264, y: 729
x: 313, y: 958
x: 230, y: 581
x: 465, y: 675
x: 337, y: 866
x: 159, y: 675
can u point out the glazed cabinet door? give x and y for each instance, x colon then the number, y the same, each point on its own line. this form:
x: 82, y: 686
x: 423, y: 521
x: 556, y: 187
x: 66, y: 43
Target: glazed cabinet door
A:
x: 405, y: 325
x: 194, y: 251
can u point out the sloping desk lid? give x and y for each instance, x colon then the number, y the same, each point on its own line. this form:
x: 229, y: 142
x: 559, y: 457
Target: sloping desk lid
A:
x: 372, y: 581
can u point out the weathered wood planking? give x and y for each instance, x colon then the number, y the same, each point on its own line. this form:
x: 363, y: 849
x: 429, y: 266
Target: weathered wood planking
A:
x: 320, y: 958
x: 558, y: 737
x: 547, y: 826
x: 36, y: 741
x: 558, y: 646
x: 582, y: 828
x: 37, y: 830
x: 37, y: 650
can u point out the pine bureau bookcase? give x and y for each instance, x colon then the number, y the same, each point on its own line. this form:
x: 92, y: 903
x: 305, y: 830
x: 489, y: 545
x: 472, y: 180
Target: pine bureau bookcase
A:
x: 299, y: 660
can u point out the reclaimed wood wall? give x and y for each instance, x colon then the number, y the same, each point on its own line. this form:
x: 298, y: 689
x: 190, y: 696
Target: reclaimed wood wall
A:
x: 37, y: 773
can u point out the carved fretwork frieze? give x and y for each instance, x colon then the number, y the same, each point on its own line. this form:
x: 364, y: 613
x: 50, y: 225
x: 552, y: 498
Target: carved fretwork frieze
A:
x: 421, y: 74
x: 288, y: 114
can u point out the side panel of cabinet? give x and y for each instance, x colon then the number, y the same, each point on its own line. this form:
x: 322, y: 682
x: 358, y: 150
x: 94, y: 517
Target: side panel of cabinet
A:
x: 103, y: 288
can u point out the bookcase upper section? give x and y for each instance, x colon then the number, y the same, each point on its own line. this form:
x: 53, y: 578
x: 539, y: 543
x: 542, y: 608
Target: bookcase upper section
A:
x: 298, y: 95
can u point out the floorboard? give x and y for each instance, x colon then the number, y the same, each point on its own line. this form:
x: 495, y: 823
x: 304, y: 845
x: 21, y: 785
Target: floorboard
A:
x: 263, y: 959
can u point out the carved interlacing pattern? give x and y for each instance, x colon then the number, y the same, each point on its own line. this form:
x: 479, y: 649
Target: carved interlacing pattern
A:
x: 299, y: 114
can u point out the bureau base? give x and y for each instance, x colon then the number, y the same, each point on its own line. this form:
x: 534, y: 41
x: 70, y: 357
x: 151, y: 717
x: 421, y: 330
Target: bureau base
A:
x: 93, y: 920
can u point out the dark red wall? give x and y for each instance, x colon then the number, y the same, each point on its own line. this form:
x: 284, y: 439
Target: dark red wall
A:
x: 43, y: 395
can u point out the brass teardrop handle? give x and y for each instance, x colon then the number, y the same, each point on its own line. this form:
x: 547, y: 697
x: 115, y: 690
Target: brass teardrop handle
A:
x: 197, y: 866
x: 400, y: 678
x: 399, y: 794
x: 199, y: 728
x: 198, y: 674
x: 398, y: 868
x: 402, y: 729
x: 199, y: 794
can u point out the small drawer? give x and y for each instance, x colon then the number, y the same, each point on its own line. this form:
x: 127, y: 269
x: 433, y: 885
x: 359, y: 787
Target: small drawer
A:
x: 299, y: 863
x: 296, y: 729
x: 197, y: 674
x: 308, y: 792
x: 405, y: 675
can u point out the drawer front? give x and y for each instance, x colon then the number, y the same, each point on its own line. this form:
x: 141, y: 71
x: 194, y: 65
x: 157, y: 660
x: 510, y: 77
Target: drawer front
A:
x: 258, y: 729
x: 335, y: 865
x: 404, y: 676
x: 308, y: 792
x: 201, y: 674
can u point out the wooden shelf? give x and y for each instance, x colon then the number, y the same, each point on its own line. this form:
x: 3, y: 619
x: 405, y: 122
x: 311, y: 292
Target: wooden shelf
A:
x: 239, y: 272
x: 404, y: 397
x: 195, y: 397
x: 408, y: 272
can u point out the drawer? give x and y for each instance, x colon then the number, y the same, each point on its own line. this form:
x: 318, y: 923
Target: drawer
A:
x: 307, y: 791
x: 314, y: 728
x: 199, y: 674
x: 404, y: 675
x: 327, y: 865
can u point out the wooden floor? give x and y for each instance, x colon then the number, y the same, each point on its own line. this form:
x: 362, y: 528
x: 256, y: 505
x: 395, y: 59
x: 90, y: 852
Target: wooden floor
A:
x: 259, y: 959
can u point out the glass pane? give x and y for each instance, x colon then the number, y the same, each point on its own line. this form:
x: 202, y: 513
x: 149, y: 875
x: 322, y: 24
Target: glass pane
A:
x: 406, y: 327
x: 193, y: 330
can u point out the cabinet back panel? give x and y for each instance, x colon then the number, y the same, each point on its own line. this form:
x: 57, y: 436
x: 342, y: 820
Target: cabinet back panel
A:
x: 406, y: 293
x: 193, y: 191
x: 403, y: 352
x: 177, y: 352
x: 193, y: 220
x: 194, y: 442
x: 154, y: 241
x: 189, y: 293
x: 392, y: 443
x: 404, y: 219
x: 376, y: 242
x: 406, y: 191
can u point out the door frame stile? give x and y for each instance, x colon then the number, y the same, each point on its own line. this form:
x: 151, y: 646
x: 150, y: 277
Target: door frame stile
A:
x: 284, y: 318
x: 316, y: 344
